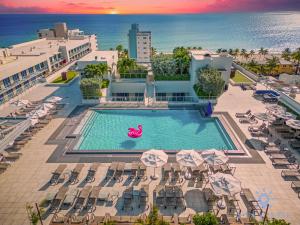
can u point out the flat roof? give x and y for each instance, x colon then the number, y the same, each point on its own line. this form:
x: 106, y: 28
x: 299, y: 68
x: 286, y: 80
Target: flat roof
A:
x: 102, y: 56
x: 200, y: 54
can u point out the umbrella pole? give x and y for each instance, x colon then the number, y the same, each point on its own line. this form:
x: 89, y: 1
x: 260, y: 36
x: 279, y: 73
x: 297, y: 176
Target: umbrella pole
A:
x: 154, y: 177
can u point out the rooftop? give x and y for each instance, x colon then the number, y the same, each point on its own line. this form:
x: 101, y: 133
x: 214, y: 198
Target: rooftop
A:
x: 203, y: 54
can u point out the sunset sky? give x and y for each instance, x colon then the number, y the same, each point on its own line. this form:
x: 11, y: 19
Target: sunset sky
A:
x: 145, y: 6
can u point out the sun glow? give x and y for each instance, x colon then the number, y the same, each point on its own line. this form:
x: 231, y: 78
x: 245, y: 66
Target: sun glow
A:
x: 113, y: 12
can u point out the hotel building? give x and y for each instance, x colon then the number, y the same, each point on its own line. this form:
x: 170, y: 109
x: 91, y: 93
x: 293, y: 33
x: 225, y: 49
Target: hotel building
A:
x: 139, y: 44
x: 204, y: 58
x: 22, y: 65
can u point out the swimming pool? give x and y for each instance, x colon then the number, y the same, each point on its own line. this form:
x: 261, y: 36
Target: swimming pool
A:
x: 162, y: 129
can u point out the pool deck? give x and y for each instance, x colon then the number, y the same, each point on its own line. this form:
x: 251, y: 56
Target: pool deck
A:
x: 26, y: 180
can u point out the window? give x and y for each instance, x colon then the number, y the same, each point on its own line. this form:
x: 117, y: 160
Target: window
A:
x: 6, y: 82
x: 24, y: 74
x: 30, y: 70
x: 10, y: 93
x: 37, y: 67
x: 42, y: 65
x: 16, y: 77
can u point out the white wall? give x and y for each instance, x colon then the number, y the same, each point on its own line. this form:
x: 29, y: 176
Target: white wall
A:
x: 172, y: 86
x: 124, y: 87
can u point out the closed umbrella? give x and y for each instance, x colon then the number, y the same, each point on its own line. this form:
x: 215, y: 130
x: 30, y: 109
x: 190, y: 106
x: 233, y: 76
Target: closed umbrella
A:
x: 214, y: 157
x: 37, y: 114
x: 53, y: 99
x: 154, y: 158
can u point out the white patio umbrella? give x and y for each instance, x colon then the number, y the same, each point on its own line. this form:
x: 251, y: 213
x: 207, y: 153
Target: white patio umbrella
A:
x: 214, y: 157
x: 34, y: 121
x: 53, y: 99
x: 224, y: 184
x: 189, y: 158
x: 295, y: 124
x: 154, y: 158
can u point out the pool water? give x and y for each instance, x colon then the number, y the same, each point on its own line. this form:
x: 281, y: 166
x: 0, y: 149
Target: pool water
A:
x: 162, y: 129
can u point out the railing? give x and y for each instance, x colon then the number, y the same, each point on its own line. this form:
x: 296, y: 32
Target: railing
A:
x: 140, y: 75
x: 179, y: 99
x: 10, y: 137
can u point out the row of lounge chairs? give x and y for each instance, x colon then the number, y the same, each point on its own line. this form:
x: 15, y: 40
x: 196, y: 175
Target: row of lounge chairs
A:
x: 169, y: 197
x: 246, y: 117
x: 280, y: 157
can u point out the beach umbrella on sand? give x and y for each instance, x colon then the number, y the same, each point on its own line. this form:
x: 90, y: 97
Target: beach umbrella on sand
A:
x: 53, y: 99
x: 154, y: 158
x: 189, y: 158
x: 214, y: 157
x: 224, y: 184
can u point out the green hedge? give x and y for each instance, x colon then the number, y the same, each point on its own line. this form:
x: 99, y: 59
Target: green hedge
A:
x: 172, y: 77
x: 133, y: 75
x: 105, y: 83
x: 90, y: 88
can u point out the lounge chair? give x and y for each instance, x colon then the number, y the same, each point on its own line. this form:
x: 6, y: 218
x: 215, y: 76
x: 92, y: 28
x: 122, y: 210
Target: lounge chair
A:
x: 233, y: 206
x: 73, y: 179
x: 10, y: 156
x: 70, y: 198
x: 111, y: 170
x: 82, y: 197
x: 58, y: 199
x: 251, y: 120
x: 243, y: 115
x: 252, y: 202
x: 283, y: 162
x: 60, y: 219
x: 56, y: 174
x: 257, y: 128
x: 78, y: 220
x: 159, y: 195
x: 176, y: 173
x: 98, y: 220
x: 92, y: 199
x: 119, y: 172
x: 290, y: 173
x: 134, y: 170
x: 168, y: 219
x: 127, y: 199
x: 295, y: 144
x: 289, y: 135
x: 166, y: 170
x: 144, y: 196
x: 277, y: 156
x: 184, y: 219
x: 90, y: 177
x: 142, y: 172
x: 211, y: 201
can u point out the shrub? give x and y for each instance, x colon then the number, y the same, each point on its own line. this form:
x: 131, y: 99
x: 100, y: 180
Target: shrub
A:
x: 277, y: 222
x: 210, y: 81
x: 90, y: 88
x: 205, y: 219
x: 105, y: 83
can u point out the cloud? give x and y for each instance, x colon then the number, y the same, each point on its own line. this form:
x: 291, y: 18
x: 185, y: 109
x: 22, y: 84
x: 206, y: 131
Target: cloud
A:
x: 26, y: 10
x: 82, y: 6
x: 250, y: 5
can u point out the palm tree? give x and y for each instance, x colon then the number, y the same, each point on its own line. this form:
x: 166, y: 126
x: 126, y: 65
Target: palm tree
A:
x: 243, y: 52
x: 247, y: 55
x: 153, y: 51
x: 124, y: 65
x: 119, y: 48
x: 261, y: 51
x: 272, y: 63
x: 199, y: 48
x: 251, y: 53
x: 230, y: 51
x: 296, y: 58
x: 96, y: 70
x: 286, y: 54
x: 219, y: 50
x: 253, y: 63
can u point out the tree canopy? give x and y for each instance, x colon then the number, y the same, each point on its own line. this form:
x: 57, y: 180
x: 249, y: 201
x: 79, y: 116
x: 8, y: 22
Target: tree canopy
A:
x: 96, y: 70
x: 90, y: 88
x: 211, y: 81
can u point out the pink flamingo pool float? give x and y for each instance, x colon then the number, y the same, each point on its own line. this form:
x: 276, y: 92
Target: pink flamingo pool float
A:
x: 134, y: 133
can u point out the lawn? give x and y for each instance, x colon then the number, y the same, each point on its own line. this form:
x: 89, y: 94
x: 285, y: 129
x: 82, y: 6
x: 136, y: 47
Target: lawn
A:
x: 240, y: 78
x: 70, y: 76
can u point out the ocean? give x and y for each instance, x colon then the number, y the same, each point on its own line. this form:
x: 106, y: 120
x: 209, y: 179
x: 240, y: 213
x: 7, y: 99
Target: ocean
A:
x: 276, y: 31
